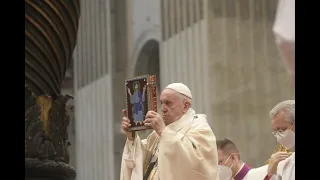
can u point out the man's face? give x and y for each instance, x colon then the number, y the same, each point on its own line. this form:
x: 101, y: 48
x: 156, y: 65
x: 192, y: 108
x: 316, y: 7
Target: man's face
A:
x: 223, y: 160
x: 279, y: 123
x: 172, y: 106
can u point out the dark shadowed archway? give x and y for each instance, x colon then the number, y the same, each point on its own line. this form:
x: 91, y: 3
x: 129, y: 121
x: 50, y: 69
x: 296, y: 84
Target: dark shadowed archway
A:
x: 148, y: 61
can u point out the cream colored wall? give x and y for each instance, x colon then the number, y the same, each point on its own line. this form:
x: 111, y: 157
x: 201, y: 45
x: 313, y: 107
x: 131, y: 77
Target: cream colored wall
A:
x: 183, y: 50
x: 234, y: 71
x: 94, y: 145
x: 184, y: 59
x: 95, y: 131
x: 247, y: 79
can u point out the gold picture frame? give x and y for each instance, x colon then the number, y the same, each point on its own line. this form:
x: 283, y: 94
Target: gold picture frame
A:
x: 141, y: 97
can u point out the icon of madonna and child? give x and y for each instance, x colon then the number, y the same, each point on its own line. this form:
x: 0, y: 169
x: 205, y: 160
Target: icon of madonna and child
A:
x: 137, y: 99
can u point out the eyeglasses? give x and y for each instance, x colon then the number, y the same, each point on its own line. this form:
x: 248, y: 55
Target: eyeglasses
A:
x: 220, y: 162
x: 276, y: 132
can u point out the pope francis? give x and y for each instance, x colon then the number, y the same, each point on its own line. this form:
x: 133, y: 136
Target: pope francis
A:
x: 181, y: 147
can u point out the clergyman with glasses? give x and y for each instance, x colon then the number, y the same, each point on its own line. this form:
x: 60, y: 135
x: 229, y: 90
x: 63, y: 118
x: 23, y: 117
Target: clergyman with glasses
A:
x: 283, y: 125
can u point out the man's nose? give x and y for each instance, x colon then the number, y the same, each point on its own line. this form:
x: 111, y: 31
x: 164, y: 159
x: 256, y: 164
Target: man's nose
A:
x: 163, y: 108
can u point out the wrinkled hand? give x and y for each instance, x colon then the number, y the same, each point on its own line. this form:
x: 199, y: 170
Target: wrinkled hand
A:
x: 155, y: 121
x: 274, y: 161
x: 125, y: 125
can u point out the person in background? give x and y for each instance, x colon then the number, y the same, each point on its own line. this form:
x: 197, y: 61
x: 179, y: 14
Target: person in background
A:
x: 282, y: 164
x: 284, y: 31
x: 230, y: 164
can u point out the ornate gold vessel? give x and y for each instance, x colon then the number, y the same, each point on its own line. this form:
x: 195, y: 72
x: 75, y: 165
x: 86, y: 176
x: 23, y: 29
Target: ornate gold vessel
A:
x: 280, y: 148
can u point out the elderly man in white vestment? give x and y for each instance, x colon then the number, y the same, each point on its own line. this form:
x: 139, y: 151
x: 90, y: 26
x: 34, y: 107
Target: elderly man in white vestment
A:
x: 282, y: 164
x: 181, y: 147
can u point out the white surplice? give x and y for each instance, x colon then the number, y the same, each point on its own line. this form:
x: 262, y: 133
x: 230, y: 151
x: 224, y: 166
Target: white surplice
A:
x: 186, y: 150
x: 286, y: 169
x: 257, y: 173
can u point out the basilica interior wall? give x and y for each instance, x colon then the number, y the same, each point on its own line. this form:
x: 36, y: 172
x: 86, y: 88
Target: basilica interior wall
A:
x: 248, y: 79
x: 245, y: 76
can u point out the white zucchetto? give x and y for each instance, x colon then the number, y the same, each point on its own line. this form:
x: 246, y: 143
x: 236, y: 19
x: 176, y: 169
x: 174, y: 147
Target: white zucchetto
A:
x: 180, y: 88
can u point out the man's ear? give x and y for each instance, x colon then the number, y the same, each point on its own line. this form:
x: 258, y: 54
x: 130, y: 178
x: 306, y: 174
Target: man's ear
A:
x: 187, y: 105
x: 232, y: 156
x: 235, y: 156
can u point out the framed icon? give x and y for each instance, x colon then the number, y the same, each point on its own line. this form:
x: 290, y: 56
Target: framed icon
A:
x: 141, y: 97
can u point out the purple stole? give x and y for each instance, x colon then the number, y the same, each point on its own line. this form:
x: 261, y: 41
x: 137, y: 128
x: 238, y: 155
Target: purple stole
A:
x: 242, y: 173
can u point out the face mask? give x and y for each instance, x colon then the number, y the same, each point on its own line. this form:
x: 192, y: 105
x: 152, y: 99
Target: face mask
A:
x: 287, y: 138
x: 225, y: 173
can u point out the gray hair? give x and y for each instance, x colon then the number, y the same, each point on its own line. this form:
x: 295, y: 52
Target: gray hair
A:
x: 288, y: 107
x: 183, y: 97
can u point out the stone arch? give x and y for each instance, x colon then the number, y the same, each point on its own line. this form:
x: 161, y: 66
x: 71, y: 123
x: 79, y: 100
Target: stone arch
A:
x: 146, y: 36
x: 148, y: 61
